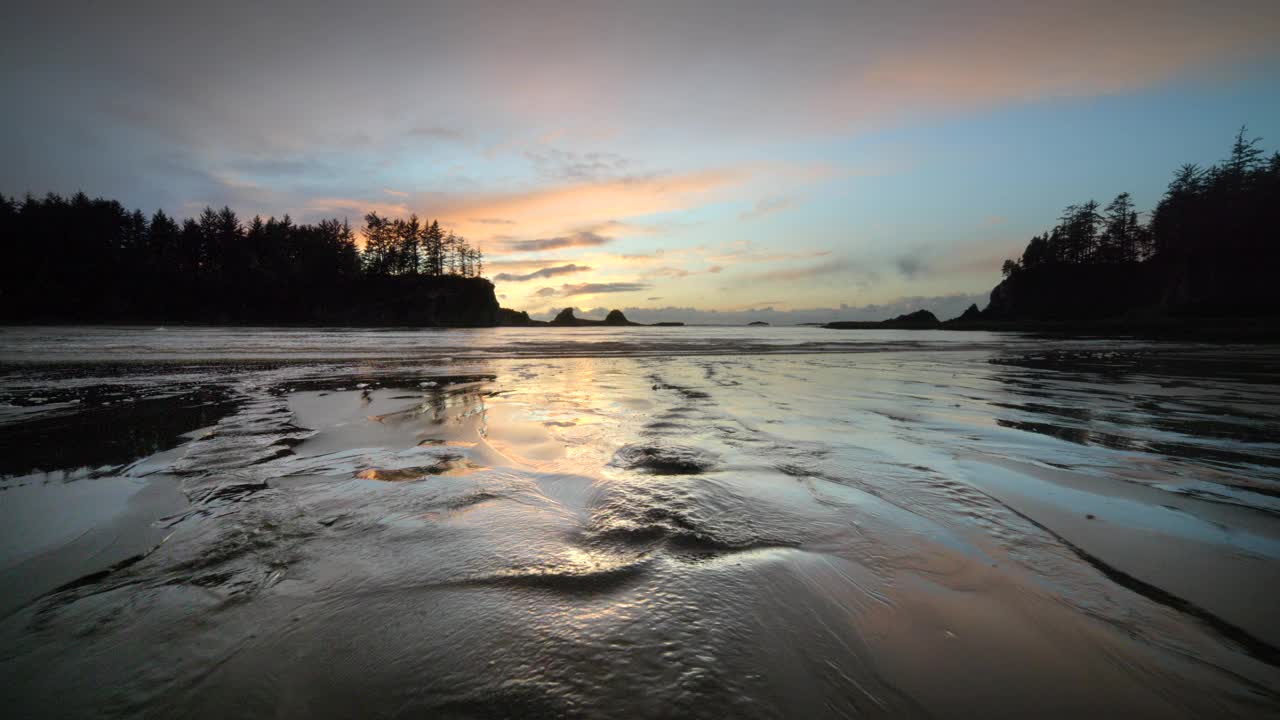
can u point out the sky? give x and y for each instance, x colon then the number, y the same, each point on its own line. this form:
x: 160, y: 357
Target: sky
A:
x: 693, y: 161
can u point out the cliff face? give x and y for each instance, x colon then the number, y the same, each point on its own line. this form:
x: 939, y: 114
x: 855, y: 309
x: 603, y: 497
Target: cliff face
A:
x: 1198, y: 284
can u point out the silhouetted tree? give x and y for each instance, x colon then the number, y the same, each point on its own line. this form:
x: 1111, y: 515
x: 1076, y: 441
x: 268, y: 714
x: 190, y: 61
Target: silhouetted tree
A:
x: 408, y: 236
x: 1119, y: 241
x: 85, y: 259
x: 379, y: 245
x: 433, y: 244
x: 1230, y: 210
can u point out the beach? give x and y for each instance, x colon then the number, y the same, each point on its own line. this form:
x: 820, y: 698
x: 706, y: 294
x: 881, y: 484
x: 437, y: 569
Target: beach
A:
x: 642, y: 522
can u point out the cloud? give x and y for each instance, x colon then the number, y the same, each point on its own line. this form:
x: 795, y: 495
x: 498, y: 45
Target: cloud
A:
x: 746, y: 252
x: 571, y: 73
x: 598, y: 288
x: 831, y: 267
x: 767, y: 206
x: 492, y: 221
x: 437, y: 132
x: 599, y: 207
x: 909, y: 266
x: 1036, y: 51
x: 545, y: 292
x: 516, y: 266
x: 584, y: 238
x: 668, y: 271
x: 355, y: 207
x: 676, y: 272
x: 396, y: 193
x: 574, y: 166
x: 546, y: 272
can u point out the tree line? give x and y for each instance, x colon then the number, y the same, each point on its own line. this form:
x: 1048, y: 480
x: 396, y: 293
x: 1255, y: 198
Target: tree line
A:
x: 1230, y: 207
x: 81, y: 258
x: 409, y: 247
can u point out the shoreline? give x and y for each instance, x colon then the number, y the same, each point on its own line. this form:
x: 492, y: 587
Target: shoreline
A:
x: 1259, y: 330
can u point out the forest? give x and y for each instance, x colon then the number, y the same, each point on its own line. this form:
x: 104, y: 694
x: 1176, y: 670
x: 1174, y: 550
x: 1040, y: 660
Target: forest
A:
x: 1231, y: 207
x: 1209, y: 249
x: 91, y: 260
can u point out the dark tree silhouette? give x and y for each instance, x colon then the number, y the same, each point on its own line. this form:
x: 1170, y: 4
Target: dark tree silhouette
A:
x: 1231, y: 205
x: 1210, y: 246
x: 82, y: 259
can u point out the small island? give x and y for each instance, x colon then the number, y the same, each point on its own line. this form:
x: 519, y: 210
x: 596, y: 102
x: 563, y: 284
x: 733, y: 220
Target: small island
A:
x: 566, y: 318
x: 918, y: 320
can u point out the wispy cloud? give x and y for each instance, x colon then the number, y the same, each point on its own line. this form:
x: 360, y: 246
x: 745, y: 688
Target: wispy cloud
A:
x: 831, y: 267
x: 599, y: 288
x: 677, y: 272
x: 1036, y: 51
x: 356, y: 207
x: 744, y: 252
x: 583, y: 238
x: 437, y: 132
x: 602, y: 207
x: 767, y: 206
x: 519, y: 266
x: 909, y: 266
x: 546, y: 272
x: 574, y: 166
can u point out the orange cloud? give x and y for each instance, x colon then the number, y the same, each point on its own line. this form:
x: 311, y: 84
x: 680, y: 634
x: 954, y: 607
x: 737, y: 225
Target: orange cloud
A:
x: 1035, y: 51
x: 355, y: 208
x: 594, y: 206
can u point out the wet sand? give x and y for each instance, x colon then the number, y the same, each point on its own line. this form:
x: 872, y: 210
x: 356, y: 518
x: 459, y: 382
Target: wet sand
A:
x: 974, y: 528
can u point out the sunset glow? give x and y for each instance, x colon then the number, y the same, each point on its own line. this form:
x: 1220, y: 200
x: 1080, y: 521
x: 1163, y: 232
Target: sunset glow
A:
x: 823, y: 159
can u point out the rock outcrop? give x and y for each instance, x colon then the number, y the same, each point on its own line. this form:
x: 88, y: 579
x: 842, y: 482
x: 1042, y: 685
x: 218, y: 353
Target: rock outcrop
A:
x: 971, y: 314
x: 918, y: 320
x: 515, y: 318
x: 566, y: 318
x: 615, y: 317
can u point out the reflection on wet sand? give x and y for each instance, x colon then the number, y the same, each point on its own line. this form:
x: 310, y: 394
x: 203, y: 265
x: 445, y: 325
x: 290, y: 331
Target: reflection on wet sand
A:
x: 964, y: 533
